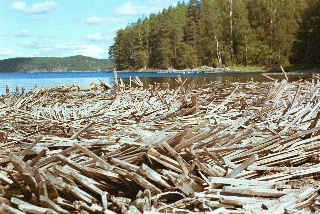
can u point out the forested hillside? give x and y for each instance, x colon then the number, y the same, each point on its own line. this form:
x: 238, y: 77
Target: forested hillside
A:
x: 222, y: 32
x: 54, y: 64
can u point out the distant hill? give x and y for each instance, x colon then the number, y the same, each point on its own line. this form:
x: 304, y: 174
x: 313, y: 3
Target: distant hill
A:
x: 54, y: 64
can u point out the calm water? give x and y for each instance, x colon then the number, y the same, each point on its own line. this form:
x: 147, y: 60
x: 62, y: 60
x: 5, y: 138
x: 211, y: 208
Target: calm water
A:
x: 32, y: 80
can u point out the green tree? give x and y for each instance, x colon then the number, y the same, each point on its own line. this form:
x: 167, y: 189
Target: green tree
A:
x: 274, y: 24
x: 207, y: 43
x: 177, y: 17
x: 242, y: 33
x: 185, y: 54
x: 220, y: 32
x: 307, y: 45
x: 118, y: 52
x: 191, y: 29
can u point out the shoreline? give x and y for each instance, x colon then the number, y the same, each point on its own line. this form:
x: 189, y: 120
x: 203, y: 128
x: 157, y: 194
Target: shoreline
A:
x: 221, y: 71
x: 185, y: 71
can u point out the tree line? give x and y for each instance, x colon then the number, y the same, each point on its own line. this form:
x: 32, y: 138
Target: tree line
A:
x: 221, y: 33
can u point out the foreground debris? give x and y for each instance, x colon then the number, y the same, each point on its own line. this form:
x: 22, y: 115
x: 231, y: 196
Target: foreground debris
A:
x: 239, y: 148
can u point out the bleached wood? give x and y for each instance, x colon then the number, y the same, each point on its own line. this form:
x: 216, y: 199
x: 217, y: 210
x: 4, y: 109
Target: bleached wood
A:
x: 237, y: 148
x: 256, y: 192
x: 29, y: 208
x: 235, y: 181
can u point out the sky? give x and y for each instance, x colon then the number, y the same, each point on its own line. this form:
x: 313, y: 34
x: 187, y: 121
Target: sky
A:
x: 60, y: 28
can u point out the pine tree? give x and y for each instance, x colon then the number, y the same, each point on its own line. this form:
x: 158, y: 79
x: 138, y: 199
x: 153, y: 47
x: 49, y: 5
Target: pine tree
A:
x: 154, y: 41
x: 275, y: 24
x: 191, y: 30
x: 207, y: 44
x: 307, y: 45
x: 140, y: 47
x: 240, y: 32
x: 177, y: 18
x: 118, y: 52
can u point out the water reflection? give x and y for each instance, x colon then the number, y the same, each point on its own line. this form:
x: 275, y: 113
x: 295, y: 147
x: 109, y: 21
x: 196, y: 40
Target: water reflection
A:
x: 198, y: 81
x: 28, y: 81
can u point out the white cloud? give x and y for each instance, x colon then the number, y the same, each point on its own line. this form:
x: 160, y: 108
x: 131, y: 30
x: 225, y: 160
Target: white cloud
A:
x: 53, y: 48
x: 94, y: 20
x: 31, y: 44
x: 90, y: 50
x: 129, y: 8
x: 152, y: 6
x: 36, y: 8
x: 3, y: 34
x: 27, y: 44
x: 23, y: 33
x: 19, y: 5
x: 6, y: 52
x: 66, y: 49
x: 96, y: 37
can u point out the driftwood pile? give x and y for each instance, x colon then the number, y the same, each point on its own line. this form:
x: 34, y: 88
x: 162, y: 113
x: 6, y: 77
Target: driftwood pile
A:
x: 241, y: 148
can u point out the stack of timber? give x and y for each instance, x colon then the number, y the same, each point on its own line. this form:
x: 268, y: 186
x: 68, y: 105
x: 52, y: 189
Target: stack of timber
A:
x: 238, y: 148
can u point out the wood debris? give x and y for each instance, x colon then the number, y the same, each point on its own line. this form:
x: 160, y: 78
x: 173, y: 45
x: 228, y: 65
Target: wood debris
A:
x: 237, y: 148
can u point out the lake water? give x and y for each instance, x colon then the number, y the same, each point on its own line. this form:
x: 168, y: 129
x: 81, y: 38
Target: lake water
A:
x: 58, y: 79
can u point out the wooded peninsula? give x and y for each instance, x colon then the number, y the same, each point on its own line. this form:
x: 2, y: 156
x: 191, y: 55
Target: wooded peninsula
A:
x: 54, y: 64
x: 222, y: 33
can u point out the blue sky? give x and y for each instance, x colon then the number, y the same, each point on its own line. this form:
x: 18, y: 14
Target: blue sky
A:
x: 67, y: 27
